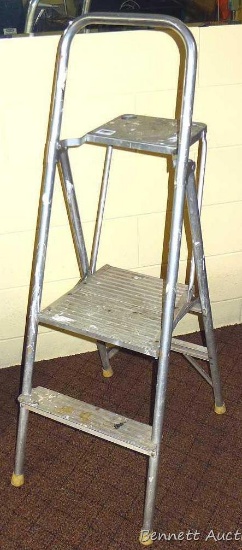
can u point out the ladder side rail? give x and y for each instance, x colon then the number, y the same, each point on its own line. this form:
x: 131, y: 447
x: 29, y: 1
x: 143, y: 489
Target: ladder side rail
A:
x: 203, y: 159
x: 172, y: 270
x: 39, y: 259
x: 200, y: 262
x: 73, y: 212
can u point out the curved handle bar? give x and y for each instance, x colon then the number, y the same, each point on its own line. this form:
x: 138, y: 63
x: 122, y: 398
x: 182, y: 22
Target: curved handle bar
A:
x: 152, y: 21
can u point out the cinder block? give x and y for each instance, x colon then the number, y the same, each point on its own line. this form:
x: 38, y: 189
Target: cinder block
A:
x: 30, y: 79
x: 87, y: 168
x: 13, y: 312
x: 61, y: 260
x: 220, y: 56
x: 138, y: 184
x: 151, y: 233
x: 226, y: 313
x: 225, y: 276
x: 16, y: 249
x: 95, y: 109
x: 59, y: 344
x: 124, y: 70
x: 157, y: 103
x: 223, y: 175
x: 222, y: 228
x: 119, y: 243
x: 220, y: 107
x: 27, y: 149
x: 154, y: 235
x: 11, y: 352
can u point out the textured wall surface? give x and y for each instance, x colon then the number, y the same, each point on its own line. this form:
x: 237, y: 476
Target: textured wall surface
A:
x: 110, y: 74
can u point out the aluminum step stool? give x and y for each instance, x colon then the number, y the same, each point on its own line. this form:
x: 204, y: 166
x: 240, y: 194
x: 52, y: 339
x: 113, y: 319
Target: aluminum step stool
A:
x: 114, y: 306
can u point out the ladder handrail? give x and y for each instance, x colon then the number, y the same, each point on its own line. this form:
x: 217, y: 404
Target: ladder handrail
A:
x: 151, y: 21
x: 55, y: 121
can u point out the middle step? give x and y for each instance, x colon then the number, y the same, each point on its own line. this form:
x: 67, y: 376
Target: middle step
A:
x: 116, y: 306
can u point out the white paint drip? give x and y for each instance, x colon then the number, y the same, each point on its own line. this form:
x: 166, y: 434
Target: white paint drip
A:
x: 45, y: 199
x: 62, y: 80
x: 62, y: 318
x: 168, y: 288
x: 69, y: 186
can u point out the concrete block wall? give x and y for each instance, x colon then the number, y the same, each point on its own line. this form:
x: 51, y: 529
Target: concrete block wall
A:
x: 110, y: 74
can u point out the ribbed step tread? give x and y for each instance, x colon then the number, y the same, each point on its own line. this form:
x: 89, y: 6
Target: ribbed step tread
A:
x: 116, y: 306
x: 88, y: 418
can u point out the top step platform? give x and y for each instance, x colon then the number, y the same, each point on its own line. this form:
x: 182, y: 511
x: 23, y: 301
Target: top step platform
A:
x: 142, y: 133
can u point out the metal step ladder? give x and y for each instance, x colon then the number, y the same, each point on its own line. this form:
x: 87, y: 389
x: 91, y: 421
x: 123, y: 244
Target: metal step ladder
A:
x: 34, y: 6
x: 116, y: 307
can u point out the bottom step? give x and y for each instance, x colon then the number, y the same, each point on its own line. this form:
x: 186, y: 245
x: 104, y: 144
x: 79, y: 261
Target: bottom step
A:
x: 88, y: 418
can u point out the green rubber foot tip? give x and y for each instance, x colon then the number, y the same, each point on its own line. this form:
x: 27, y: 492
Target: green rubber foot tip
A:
x: 107, y: 373
x: 17, y: 480
x: 220, y: 410
x: 145, y: 539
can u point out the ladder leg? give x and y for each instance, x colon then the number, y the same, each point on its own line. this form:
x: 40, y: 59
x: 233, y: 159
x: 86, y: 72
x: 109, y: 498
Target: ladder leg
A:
x: 31, y: 338
x: 17, y: 479
x: 164, y: 356
x: 29, y: 356
x: 203, y: 147
x: 200, y: 264
x: 106, y: 367
x: 146, y: 532
x: 35, y: 295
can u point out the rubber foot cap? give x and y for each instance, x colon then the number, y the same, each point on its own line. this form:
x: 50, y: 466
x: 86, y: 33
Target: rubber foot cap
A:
x: 220, y: 410
x: 145, y: 539
x: 107, y: 373
x: 17, y: 480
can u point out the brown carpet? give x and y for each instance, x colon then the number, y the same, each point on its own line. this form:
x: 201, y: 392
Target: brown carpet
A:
x: 83, y: 493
